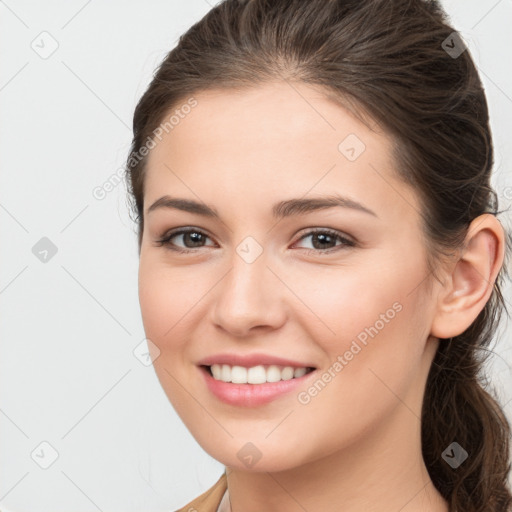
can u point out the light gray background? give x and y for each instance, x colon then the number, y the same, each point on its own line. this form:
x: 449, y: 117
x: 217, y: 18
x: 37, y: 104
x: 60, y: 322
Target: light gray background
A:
x: 68, y: 374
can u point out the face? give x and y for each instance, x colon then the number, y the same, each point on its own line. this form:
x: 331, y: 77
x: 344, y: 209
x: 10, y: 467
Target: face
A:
x: 340, y: 289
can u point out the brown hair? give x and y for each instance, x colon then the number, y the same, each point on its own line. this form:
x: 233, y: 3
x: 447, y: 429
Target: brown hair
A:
x: 390, y: 59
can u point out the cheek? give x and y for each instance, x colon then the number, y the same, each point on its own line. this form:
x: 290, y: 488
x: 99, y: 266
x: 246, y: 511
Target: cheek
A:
x: 345, y: 303
x: 372, y: 329
x: 371, y: 369
x: 165, y: 296
x: 167, y: 300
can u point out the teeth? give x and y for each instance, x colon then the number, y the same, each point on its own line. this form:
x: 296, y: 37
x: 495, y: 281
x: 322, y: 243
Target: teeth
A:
x: 239, y: 375
x: 256, y: 374
x: 299, y: 372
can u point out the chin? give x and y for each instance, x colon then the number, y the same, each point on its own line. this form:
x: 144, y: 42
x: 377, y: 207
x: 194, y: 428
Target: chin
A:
x: 255, y: 457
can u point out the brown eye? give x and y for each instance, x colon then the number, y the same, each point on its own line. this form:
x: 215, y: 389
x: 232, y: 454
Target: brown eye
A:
x: 323, y: 240
x: 191, y: 238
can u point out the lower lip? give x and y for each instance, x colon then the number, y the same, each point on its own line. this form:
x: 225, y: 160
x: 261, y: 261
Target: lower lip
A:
x: 251, y: 395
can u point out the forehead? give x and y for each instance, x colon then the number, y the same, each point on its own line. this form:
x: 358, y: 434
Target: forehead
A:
x: 274, y: 111
x: 276, y: 139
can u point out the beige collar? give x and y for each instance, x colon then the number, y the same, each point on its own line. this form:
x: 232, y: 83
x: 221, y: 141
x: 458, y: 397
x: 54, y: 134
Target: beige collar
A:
x: 224, y: 505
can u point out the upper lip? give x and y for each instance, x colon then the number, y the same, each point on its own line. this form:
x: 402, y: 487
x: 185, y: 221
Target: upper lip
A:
x: 250, y: 360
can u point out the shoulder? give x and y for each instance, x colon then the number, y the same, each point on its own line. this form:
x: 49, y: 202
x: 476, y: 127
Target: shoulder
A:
x: 208, y: 501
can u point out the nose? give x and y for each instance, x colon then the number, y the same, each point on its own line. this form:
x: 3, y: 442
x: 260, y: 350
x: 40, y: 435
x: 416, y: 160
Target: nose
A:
x: 249, y: 298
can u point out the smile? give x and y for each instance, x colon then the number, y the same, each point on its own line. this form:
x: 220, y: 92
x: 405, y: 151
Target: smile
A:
x: 253, y: 386
x: 255, y: 374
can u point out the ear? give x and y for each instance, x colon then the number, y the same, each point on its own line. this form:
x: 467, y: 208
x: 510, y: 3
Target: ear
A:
x: 468, y: 287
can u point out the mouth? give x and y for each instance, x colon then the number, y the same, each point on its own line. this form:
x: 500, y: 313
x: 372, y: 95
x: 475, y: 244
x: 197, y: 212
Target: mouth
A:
x: 254, y: 386
x: 259, y: 374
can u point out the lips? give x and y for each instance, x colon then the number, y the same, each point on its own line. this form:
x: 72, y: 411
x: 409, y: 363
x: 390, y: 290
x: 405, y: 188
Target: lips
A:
x: 250, y: 360
x: 258, y: 392
x: 252, y: 395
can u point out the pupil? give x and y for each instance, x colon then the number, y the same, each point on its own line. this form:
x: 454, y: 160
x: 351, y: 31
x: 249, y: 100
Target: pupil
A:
x: 196, y: 237
x: 323, y: 238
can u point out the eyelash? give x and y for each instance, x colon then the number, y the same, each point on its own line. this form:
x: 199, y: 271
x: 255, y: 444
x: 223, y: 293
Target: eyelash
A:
x: 166, y: 240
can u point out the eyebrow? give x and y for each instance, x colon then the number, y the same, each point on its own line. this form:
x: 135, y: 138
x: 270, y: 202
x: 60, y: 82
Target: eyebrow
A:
x: 280, y: 210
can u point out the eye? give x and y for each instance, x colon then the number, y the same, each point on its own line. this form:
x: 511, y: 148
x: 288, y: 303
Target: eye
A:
x: 322, y: 237
x: 193, y: 238
x: 192, y: 235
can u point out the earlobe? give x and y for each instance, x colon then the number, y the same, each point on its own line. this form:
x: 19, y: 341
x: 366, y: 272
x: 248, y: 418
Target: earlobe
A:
x: 469, y: 286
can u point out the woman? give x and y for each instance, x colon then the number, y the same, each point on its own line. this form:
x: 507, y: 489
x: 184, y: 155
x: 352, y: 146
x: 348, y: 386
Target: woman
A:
x: 320, y: 259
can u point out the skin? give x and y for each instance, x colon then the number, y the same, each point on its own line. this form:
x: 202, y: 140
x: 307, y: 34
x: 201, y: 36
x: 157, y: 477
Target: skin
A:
x: 356, y: 444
